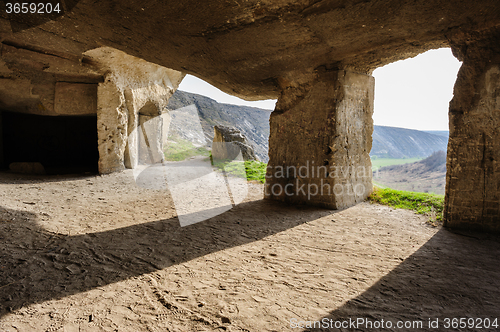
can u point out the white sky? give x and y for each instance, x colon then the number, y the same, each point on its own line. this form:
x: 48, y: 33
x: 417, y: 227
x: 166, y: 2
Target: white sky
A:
x: 412, y: 93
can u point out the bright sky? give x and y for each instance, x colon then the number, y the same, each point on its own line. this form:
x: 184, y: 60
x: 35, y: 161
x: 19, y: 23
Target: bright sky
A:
x: 413, y: 93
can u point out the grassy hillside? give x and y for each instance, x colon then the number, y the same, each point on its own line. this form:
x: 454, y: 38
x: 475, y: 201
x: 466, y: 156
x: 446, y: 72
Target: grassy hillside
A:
x: 427, y: 204
x: 427, y: 175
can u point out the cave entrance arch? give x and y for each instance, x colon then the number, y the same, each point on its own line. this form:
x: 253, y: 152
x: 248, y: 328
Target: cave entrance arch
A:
x: 212, y: 107
x: 327, y: 119
x: 411, y: 121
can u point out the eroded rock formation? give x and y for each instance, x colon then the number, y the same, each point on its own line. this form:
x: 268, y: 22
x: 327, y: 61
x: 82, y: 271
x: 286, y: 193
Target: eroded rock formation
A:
x: 473, y: 164
x: 229, y: 142
x: 122, y: 91
x: 315, y: 56
x: 320, y: 142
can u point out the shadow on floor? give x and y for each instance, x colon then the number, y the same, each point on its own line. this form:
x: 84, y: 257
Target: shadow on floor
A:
x: 38, y: 265
x: 453, y: 275
x: 8, y: 177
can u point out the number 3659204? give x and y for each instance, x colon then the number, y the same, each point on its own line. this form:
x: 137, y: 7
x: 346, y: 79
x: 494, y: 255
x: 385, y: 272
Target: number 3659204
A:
x: 32, y: 8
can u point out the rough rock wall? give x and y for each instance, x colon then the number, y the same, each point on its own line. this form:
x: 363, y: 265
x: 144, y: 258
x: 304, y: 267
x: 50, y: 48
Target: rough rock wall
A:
x: 244, y: 47
x: 131, y: 86
x: 320, y: 142
x: 473, y: 164
x: 103, y: 81
x: 39, y: 81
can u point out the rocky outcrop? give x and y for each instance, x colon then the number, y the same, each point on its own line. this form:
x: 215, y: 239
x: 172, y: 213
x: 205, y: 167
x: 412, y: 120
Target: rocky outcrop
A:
x: 252, y: 122
x: 229, y: 142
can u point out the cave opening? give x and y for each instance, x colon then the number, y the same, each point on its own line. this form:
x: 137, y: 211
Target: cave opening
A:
x: 411, y: 128
x: 61, y: 144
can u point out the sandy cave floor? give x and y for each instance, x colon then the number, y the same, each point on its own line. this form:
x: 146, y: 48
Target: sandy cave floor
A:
x: 98, y: 253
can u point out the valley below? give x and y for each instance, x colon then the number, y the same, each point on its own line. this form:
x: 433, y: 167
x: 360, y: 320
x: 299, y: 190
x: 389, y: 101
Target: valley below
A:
x: 427, y: 175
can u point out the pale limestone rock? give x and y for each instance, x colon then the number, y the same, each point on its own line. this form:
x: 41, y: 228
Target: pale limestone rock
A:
x: 141, y: 91
x: 229, y: 142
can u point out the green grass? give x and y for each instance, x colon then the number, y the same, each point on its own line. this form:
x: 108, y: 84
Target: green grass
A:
x: 427, y: 204
x: 180, y: 149
x: 422, y: 203
x: 254, y: 170
x: 381, y: 162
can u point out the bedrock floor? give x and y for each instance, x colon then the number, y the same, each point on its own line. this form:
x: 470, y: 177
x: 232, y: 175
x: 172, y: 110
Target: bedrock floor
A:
x: 99, y: 253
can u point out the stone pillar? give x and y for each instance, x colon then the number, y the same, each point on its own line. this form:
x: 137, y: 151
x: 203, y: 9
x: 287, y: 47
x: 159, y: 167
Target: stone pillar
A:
x: 150, y: 135
x: 320, y: 140
x: 130, y: 104
x: 112, y: 119
x: 472, y: 198
x: 131, y: 157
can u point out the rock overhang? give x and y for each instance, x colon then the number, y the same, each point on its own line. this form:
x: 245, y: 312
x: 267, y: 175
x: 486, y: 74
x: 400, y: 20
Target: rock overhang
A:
x: 254, y: 49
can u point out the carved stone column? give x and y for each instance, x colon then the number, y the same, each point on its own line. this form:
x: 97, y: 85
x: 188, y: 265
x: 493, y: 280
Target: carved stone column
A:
x: 320, y: 140
x: 473, y: 163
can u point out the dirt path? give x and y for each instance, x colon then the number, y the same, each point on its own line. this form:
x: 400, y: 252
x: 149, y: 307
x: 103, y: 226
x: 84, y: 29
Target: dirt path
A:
x: 101, y: 254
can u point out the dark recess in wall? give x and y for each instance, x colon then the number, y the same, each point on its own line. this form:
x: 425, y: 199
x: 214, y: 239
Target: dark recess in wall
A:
x: 62, y: 144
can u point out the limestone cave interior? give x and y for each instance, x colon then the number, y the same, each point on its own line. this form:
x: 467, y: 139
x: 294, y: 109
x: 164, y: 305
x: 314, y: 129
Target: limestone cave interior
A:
x: 100, y: 252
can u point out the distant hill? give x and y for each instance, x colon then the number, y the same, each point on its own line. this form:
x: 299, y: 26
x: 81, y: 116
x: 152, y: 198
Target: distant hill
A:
x: 438, y: 132
x: 251, y: 121
x: 392, y: 142
x: 388, y: 142
x: 428, y: 175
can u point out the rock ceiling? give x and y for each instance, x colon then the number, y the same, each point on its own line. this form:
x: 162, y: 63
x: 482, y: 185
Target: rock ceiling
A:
x: 248, y: 47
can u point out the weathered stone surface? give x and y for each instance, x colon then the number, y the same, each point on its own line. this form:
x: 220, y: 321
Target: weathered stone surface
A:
x: 112, y: 120
x: 150, y: 139
x: 473, y: 164
x: 133, y: 94
x: 32, y: 82
x: 247, y: 47
x: 1, y: 141
x: 268, y: 49
x: 320, y: 142
x: 104, y: 81
x: 75, y: 98
x: 229, y: 142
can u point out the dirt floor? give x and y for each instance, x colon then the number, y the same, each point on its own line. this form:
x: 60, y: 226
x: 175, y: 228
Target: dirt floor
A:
x: 98, y: 253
